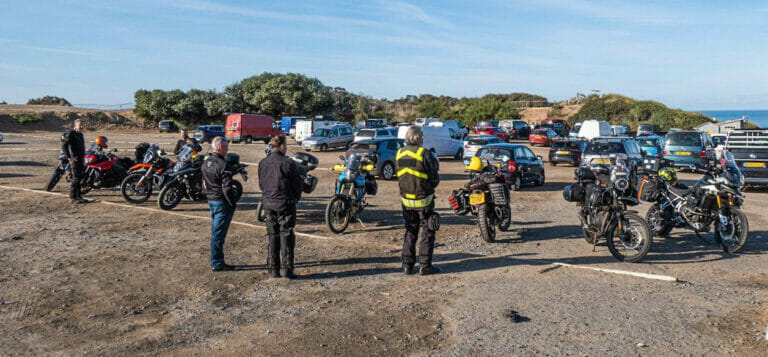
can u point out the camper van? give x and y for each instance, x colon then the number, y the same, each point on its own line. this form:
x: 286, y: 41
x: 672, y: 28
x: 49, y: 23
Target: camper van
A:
x: 305, y: 128
x: 591, y: 129
x: 443, y: 141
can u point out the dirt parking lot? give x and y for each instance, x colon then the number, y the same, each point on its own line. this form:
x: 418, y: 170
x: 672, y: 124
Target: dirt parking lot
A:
x: 117, y: 279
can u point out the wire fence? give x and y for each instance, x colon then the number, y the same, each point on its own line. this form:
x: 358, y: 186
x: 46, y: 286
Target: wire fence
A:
x: 121, y: 106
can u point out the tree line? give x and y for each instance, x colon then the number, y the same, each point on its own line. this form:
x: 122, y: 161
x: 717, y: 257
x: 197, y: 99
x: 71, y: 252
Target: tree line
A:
x: 618, y: 109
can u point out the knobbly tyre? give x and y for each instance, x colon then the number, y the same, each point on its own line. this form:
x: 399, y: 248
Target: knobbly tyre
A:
x: 61, y: 168
x: 715, y: 198
x: 354, y: 182
x: 604, y: 192
x: 305, y: 163
x: 146, y: 176
x: 486, y: 196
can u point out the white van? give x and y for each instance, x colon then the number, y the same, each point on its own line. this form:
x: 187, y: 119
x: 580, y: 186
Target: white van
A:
x: 591, y: 129
x: 305, y: 128
x: 443, y: 141
x: 456, y: 126
x: 426, y: 121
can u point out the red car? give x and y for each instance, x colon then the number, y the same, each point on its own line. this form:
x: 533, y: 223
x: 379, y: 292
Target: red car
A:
x: 489, y: 130
x: 543, y: 137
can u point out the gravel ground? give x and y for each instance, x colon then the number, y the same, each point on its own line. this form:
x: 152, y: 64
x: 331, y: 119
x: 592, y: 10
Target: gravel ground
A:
x: 108, y: 279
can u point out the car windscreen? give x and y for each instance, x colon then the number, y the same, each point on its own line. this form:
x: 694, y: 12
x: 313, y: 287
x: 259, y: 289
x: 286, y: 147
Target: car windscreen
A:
x: 321, y: 132
x: 363, y: 147
x: 540, y: 131
x: 477, y: 141
x: 495, y: 154
x: 604, y: 148
x: 684, y: 139
x: 645, y: 127
x: 647, y: 142
x: 366, y: 133
x: 570, y: 145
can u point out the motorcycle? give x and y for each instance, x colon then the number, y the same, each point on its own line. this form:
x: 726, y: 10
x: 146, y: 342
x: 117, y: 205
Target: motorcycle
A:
x: 715, y: 198
x: 603, y: 193
x: 186, y: 180
x: 486, y: 196
x: 305, y: 163
x: 147, y: 176
x: 61, y: 168
x: 103, y: 169
x: 354, y: 182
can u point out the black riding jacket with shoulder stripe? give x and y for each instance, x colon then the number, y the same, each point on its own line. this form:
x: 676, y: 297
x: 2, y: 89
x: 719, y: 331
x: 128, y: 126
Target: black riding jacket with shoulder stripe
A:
x: 417, y: 172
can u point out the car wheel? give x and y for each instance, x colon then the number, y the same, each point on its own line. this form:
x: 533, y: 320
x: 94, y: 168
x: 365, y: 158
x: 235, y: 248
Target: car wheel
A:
x: 553, y: 163
x: 388, y: 171
x: 459, y: 154
x: 516, y: 183
x: 540, y: 180
x: 248, y: 139
x: 323, y: 147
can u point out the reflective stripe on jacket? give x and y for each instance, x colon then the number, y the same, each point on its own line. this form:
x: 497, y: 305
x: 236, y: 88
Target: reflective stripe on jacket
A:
x: 413, y: 174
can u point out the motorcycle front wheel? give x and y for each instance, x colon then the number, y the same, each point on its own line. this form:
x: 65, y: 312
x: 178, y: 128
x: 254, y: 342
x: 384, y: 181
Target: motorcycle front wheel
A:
x: 55, y: 177
x: 133, y: 192
x: 733, y: 234
x: 632, y: 242
x: 485, y: 224
x: 337, y: 215
x: 170, y: 196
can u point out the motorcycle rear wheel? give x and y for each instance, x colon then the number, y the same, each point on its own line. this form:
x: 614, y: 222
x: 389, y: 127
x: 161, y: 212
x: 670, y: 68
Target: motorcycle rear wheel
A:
x: 170, y: 196
x: 637, y: 244
x: 733, y: 237
x: 487, y: 229
x: 337, y: 215
x: 55, y: 177
x: 654, y: 218
x: 134, y: 194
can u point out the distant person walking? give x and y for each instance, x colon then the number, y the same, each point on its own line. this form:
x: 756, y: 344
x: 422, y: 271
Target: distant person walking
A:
x: 217, y: 186
x: 185, y: 139
x: 280, y: 185
x: 73, y: 146
x: 418, y: 177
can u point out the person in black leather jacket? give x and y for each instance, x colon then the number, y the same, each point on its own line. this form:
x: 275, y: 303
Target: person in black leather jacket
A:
x: 185, y: 139
x: 222, y: 200
x: 280, y: 185
x: 73, y: 146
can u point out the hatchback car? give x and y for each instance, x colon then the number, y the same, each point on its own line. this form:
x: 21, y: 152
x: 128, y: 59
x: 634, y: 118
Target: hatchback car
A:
x: 167, y: 126
x: 650, y: 145
x: 337, y: 136
x: 206, y: 133
x: 368, y: 134
x: 476, y: 142
x: 385, y: 151
x: 603, y: 150
x: 518, y: 163
x: 491, y: 130
x: 567, y: 151
x: 686, y: 147
x: 543, y: 137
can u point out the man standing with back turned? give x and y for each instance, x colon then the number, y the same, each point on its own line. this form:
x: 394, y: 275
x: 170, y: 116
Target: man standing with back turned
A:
x: 222, y: 199
x: 280, y: 185
x: 73, y: 146
x: 418, y: 177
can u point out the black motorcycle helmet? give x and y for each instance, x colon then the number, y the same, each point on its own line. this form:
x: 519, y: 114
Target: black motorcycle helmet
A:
x: 309, y: 184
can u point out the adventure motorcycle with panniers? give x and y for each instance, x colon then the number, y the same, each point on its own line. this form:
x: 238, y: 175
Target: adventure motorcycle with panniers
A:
x: 354, y: 183
x: 147, y: 176
x: 486, y: 196
x: 304, y: 163
x: 603, y: 190
x: 714, y: 200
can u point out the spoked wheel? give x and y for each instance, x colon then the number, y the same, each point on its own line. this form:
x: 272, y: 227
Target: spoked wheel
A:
x: 632, y: 241
x: 261, y: 214
x: 134, y: 192
x: 337, y: 215
x: 170, y: 196
x: 485, y: 224
x: 655, y: 219
x: 55, y: 177
x: 732, y: 234
x: 506, y: 218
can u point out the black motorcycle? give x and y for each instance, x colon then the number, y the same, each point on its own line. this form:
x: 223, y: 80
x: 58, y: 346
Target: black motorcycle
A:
x: 487, y: 197
x: 604, y: 192
x: 186, y: 180
x: 305, y: 163
x: 713, y: 199
x: 61, y: 168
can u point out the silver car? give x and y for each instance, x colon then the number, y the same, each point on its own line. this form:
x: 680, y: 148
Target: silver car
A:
x: 473, y: 143
x: 337, y: 136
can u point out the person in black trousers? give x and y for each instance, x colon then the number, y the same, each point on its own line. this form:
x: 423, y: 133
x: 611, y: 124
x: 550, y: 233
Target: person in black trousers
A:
x: 73, y: 146
x: 280, y: 185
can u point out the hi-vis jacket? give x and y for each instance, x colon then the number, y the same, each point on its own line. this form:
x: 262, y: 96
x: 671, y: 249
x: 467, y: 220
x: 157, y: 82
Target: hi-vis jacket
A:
x: 417, y: 175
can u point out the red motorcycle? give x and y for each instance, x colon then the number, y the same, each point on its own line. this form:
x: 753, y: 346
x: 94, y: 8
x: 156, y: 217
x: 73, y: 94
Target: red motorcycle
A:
x: 103, y: 169
x: 148, y: 175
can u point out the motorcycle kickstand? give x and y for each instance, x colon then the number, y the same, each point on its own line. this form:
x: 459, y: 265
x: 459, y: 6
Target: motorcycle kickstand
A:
x: 360, y: 221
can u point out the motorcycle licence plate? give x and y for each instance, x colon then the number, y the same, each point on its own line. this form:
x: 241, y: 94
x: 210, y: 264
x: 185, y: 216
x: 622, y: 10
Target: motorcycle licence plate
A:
x: 477, y: 198
x: 754, y: 164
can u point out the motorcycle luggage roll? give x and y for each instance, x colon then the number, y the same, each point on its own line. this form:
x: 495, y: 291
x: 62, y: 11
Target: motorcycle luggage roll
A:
x: 459, y: 202
x: 573, y: 193
x: 371, y: 187
x: 499, y: 193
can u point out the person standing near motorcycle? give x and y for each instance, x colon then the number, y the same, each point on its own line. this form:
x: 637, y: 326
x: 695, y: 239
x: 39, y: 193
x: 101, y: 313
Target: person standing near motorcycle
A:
x: 185, y: 139
x: 73, y: 145
x: 222, y: 200
x: 418, y: 177
x: 280, y: 184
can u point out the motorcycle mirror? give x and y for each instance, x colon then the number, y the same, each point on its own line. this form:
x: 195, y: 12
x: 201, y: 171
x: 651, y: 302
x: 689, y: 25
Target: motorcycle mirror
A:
x: 342, y: 157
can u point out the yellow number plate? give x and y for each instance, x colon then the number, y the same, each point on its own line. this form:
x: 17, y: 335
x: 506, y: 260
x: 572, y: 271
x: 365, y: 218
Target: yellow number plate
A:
x: 754, y: 164
x: 602, y: 161
x: 683, y: 152
x: 476, y: 198
x: 563, y: 152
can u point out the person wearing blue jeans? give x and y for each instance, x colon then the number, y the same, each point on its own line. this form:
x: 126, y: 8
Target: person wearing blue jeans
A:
x: 222, y: 199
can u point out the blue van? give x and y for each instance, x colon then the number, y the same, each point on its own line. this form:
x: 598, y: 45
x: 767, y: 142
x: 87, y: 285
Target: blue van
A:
x: 686, y: 148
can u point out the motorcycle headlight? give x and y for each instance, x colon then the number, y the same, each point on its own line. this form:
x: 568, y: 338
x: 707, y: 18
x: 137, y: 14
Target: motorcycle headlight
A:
x: 622, y: 184
x: 88, y: 160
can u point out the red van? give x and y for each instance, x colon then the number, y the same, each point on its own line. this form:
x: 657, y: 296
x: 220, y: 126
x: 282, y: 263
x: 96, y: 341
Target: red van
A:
x: 250, y: 127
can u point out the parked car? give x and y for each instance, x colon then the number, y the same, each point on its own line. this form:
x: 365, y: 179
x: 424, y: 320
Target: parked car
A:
x: 603, y: 151
x: 687, y: 147
x: 305, y: 128
x: 574, y: 133
x: 558, y: 125
x: 750, y: 151
x: 473, y: 143
x: 250, y: 127
x: 718, y: 140
x: 337, y: 136
x: 167, y: 126
x: 591, y: 129
x: 375, y: 123
x: 646, y: 130
x: 456, y: 126
x: 650, y: 145
x: 619, y: 130
x: 567, y: 151
x: 368, y: 134
x: 518, y: 163
x: 441, y: 141
x: 206, y: 133
x: 490, y: 130
x: 385, y: 150
x: 517, y: 129
x: 543, y: 137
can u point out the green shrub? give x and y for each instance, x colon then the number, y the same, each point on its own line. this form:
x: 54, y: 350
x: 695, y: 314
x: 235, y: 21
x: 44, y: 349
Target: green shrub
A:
x: 618, y: 109
x: 25, y: 119
x: 49, y: 100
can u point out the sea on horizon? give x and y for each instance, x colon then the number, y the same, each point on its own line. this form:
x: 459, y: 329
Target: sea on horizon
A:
x: 759, y: 117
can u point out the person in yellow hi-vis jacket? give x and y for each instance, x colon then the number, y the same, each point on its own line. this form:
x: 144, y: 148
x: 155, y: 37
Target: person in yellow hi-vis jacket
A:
x: 417, y: 173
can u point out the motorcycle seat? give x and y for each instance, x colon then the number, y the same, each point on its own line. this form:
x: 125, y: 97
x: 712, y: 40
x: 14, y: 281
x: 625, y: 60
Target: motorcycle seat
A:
x: 679, y: 189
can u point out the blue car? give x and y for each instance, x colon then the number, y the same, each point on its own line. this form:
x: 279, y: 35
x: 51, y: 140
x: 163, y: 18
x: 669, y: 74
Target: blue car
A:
x: 686, y: 148
x: 206, y: 133
x: 650, y: 145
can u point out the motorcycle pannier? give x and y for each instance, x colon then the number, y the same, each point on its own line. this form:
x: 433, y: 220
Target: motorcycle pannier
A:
x: 458, y: 201
x: 499, y: 193
x: 573, y: 193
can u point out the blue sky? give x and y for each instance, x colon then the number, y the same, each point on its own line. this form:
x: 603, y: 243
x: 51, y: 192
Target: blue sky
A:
x: 687, y: 54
